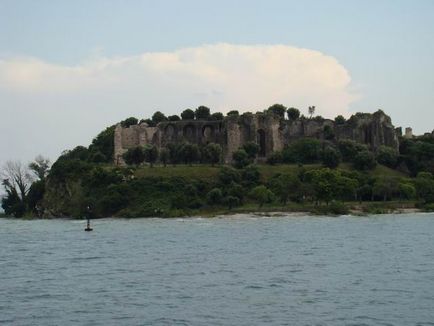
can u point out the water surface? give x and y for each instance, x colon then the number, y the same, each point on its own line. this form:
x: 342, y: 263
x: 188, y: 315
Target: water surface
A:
x: 242, y: 270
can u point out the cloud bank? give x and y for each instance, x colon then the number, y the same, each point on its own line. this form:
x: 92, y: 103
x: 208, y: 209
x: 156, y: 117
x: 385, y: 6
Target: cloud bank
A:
x: 48, y: 107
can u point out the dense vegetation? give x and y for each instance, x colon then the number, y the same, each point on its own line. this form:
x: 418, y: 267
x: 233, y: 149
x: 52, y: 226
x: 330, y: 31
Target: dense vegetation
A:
x: 320, y: 176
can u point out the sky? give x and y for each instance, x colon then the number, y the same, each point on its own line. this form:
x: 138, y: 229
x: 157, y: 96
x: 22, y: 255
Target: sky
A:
x: 68, y: 69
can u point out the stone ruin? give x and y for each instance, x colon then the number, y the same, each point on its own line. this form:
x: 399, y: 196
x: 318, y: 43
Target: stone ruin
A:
x: 269, y: 131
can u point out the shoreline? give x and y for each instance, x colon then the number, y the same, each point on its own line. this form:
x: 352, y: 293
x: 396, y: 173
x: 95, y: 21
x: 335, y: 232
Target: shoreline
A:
x: 356, y: 212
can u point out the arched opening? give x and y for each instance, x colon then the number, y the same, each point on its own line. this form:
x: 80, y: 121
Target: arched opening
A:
x: 208, y: 133
x: 170, y: 132
x: 190, y: 133
x: 261, y: 142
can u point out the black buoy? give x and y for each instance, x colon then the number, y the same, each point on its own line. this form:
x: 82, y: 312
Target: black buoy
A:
x: 88, y: 215
x: 88, y: 228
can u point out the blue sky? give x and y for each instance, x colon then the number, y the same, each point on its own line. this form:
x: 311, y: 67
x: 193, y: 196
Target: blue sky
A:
x: 386, y: 47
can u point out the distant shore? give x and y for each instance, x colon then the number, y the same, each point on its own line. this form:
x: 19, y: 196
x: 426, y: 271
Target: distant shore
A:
x: 354, y: 209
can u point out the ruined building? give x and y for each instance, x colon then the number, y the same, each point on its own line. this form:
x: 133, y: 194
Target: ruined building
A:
x: 269, y: 131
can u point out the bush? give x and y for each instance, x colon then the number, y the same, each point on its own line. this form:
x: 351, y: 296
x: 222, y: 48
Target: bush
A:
x: 251, y: 149
x: 217, y: 116
x: 364, y: 160
x: 129, y: 122
x: 202, y: 113
x: 387, y: 156
x: 187, y: 114
x: 233, y: 113
x: 214, y: 197
x: 331, y: 157
x: 262, y: 195
x: 134, y: 156
x: 275, y: 158
x: 231, y: 201
x: 340, y: 120
x: 250, y: 175
x: 278, y: 110
x: 228, y: 175
x: 304, y: 151
x: 158, y: 117
x: 349, y: 149
x: 240, y: 159
x: 173, y: 118
x: 293, y: 114
x: 212, y: 153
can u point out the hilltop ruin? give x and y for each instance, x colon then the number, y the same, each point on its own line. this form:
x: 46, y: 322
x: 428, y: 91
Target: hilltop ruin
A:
x: 270, y: 131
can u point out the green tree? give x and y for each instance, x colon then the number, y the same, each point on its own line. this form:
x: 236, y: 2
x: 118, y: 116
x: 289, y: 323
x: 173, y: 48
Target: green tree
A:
x: 275, y: 157
x: 202, y: 113
x: 277, y: 109
x: 331, y: 157
x: 240, y: 158
x: 328, y: 132
x: 385, y: 187
x: 214, y: 197
x: 164, y: 156
x: 158, y: 117
x: 151, y: 154
x: 174, y: 153
x: 40, y: 167
x: 173, y: 118
x: 340, y: 120
x: 231, y: 201
x: 233, y: 113
x: 104, y: 143
x: 250, y: 175
x: 228, y: 175
x: 212, y: 153
x: 262, y: 195
x: 349, y: 149
x: 129, y: 122
x: 187, y: 114
x: 424, y: 184
x: 306, y: 150
x: 286, y: 187
x: 189, y: 153
x: 293, y: 114
x: 406, y: 191
x: 217, y: 116
x: 323, y: 183
x: 251, y: 149
x: 364, y: 160
x: 387, y: 156
x: 134, y: 156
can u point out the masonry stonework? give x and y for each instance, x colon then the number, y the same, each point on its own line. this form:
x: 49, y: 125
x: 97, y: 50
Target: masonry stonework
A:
x: 270, y: 132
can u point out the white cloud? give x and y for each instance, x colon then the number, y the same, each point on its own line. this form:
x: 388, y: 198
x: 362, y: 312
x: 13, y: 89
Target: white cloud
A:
x: 61, y: 106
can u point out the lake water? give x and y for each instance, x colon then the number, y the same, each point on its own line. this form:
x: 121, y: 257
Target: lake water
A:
x: 241, y: 270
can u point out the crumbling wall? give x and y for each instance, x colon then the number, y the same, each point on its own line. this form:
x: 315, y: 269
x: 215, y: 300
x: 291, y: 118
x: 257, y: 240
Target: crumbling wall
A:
x: 271, y: 132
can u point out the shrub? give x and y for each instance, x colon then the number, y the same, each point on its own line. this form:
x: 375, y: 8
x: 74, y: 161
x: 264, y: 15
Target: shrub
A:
x: 187, y: 114
x: 349, y: 149
x: 202, y: 113
x: 293, y: 114
x: 134, y: 156
x: 214, y: 197
x: 364, y: 160
x: 275, y: 158
x: 331, y: 157
x: 240, y: 159
x: 231, y: 201
x: 262, y: 195
x: 387, y: 156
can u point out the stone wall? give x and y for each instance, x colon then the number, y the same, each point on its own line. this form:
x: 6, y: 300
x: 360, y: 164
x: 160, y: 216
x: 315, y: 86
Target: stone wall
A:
x: 269, y: 131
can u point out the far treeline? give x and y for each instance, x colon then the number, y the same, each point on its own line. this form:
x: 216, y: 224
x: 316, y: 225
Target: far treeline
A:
x: 320, y: 176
